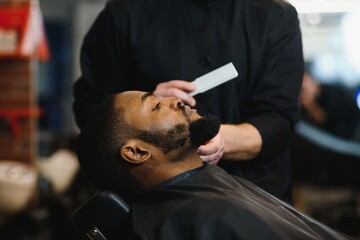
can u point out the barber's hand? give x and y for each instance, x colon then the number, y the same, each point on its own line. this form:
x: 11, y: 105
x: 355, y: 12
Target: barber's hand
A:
x: 176, y: 88
x: 213, y: 150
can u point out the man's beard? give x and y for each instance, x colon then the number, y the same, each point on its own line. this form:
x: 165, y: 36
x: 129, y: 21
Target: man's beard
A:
x: 198, y: 133
x: 167, y: 140
x: 203, y: 130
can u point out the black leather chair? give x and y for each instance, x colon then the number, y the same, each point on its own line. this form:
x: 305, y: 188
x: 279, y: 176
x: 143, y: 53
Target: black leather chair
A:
x: 324, y: 159
x: 105, y: 216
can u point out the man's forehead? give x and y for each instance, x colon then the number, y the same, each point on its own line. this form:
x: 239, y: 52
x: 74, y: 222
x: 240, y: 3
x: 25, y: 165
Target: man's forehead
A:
x: 123, y: 99
x: 146, y: 95
x: 132, y: 102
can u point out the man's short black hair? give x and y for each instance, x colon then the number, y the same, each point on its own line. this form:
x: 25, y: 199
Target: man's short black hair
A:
x: 98, y: 148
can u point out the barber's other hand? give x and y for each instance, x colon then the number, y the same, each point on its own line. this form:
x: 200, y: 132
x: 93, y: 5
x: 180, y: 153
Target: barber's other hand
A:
x: 176, y: 88
x: 213, y: 150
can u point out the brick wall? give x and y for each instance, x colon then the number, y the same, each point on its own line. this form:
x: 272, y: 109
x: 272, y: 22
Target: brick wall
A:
x: 17, y: 93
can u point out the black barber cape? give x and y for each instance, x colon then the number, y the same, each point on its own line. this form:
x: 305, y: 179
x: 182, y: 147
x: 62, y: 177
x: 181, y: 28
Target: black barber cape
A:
x: 207, y: 203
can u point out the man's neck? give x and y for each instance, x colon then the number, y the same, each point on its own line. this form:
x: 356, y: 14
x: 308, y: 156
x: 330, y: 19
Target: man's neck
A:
x: 152, y: 173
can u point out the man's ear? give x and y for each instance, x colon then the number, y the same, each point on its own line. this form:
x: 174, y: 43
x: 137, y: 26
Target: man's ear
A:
x: 135, y: 151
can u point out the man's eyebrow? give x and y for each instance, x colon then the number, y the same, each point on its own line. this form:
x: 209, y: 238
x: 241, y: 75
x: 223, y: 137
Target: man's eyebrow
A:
x: 145, y: 96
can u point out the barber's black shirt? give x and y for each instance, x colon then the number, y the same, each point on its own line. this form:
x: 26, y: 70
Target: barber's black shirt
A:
x: 136, y: 44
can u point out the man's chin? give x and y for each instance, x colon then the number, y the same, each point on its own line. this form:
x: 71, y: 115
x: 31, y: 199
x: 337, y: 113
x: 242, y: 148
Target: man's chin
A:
x: 203, y: 130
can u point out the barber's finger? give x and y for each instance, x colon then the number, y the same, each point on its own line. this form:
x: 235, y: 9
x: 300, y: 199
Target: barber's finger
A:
x: 181, y: 84
x: 214, y: 154
x: 175, y: 92
x: 211, y: 159
x: 185, y: 97
x: 213, y: 146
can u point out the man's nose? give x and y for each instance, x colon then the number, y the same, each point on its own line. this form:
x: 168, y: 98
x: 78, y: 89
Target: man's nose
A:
x: 177, y: 103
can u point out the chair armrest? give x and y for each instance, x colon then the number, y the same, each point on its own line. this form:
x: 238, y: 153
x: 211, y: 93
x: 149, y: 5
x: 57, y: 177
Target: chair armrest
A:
x: 104, y: 216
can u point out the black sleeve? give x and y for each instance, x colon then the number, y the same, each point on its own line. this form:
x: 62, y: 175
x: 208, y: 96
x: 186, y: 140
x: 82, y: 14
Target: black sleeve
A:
x: 102, y: 62
x: 274, y: 107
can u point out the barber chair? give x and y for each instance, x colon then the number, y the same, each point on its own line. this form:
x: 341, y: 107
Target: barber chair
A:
x: 324, y: 159
x: 328, y: 166
x: 105, y: 216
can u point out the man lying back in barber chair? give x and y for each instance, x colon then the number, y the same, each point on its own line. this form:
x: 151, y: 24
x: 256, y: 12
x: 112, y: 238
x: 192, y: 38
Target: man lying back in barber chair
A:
x: 144, y: 149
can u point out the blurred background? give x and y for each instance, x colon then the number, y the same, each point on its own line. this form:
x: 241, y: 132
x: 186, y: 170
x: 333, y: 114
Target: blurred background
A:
x: 40, y: 182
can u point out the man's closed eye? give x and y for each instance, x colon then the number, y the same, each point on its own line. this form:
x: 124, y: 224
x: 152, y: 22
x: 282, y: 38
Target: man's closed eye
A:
x: 156, y: 107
